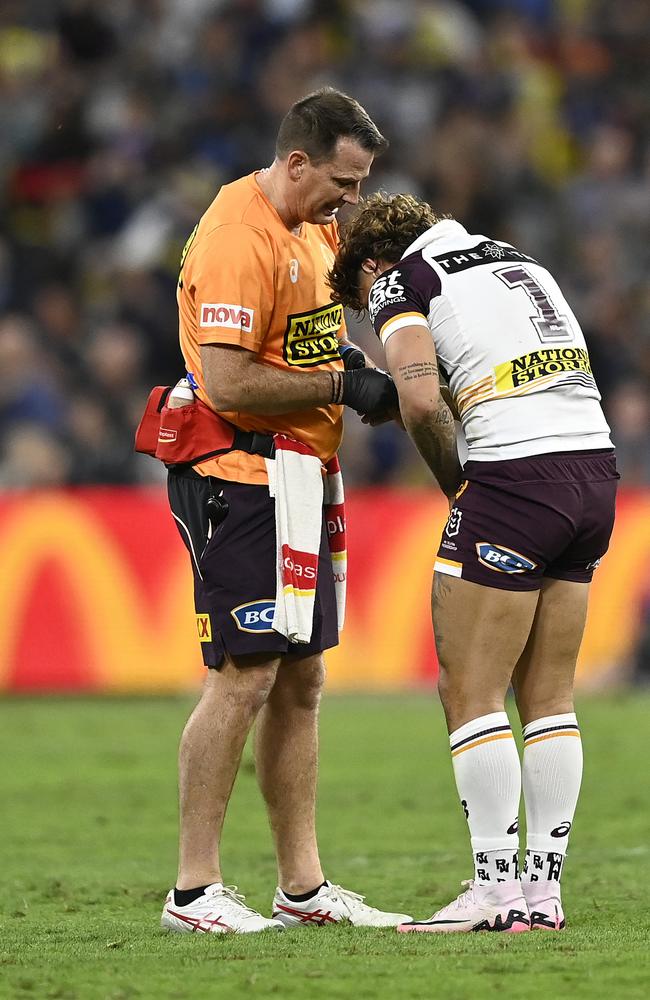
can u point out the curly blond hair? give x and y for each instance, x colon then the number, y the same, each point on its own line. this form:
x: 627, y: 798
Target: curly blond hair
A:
x: 382, y: 227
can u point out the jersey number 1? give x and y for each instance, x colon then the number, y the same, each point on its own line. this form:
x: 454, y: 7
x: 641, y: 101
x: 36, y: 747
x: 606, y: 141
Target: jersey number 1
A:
x: 550, y: 325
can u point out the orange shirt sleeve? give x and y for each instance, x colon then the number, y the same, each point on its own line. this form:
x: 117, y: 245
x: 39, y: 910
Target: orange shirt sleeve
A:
x: 232, y: 277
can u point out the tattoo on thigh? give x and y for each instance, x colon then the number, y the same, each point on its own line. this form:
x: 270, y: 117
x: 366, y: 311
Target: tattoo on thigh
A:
x: 439, y: 591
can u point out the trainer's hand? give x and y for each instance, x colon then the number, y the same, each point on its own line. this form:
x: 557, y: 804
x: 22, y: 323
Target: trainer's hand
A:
x: 369, y: 391
x: 352, y: 357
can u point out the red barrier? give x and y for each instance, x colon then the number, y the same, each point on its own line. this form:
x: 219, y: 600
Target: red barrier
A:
x: 95, y: 592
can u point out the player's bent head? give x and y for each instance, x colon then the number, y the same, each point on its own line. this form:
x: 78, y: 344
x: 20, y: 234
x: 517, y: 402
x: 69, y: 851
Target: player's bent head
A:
x: 379, y: 232
x: 317, y: 122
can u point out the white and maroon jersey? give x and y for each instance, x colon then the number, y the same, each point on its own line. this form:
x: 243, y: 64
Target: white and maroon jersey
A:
x: 507, y: 342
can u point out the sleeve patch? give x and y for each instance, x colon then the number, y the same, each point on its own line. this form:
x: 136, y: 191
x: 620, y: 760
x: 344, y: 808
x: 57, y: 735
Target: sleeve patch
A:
x: 222, y: 314
x: 387, y: 290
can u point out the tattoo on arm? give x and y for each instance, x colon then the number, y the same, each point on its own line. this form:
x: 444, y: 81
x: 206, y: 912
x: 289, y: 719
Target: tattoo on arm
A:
x: 417, y: 369
x: 435, y: 438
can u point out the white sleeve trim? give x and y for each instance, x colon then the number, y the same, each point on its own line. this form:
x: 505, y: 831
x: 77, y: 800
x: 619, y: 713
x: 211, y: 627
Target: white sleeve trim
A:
x: 392, y: 326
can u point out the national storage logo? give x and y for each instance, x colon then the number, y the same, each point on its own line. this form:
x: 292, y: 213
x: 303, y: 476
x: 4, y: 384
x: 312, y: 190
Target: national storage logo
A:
x: 541, y: 364
x: 311, y: 338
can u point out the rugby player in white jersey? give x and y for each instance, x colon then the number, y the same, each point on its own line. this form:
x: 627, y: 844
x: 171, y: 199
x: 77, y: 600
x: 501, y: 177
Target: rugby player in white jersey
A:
x: 531, y: 514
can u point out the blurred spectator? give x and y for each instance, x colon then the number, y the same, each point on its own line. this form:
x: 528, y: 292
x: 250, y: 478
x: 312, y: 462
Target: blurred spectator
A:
x: 527, y: 119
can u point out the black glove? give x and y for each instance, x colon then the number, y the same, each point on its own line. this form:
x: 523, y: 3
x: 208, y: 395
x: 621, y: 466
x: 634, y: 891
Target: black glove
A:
x: 352, y: 357
x: 369, y: 391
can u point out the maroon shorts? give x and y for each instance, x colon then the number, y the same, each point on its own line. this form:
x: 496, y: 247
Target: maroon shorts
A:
x: 514, y: 522
x: 234, y: 571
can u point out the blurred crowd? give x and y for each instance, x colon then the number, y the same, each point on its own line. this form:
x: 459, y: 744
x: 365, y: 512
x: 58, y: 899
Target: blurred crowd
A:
x: 528, y: 120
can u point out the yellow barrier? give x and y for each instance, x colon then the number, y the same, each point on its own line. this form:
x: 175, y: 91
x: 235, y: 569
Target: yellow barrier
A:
x: 95, y: 593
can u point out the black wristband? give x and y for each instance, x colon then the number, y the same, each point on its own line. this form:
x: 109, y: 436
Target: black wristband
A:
x: 337, y: 386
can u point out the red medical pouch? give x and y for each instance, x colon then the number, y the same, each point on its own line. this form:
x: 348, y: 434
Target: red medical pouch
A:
x: 181, y: 434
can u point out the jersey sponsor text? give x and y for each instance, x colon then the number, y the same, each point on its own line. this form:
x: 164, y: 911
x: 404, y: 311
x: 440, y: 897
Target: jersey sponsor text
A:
x: 311, y: 338
x: 231, y: 316
x: 540, y: 364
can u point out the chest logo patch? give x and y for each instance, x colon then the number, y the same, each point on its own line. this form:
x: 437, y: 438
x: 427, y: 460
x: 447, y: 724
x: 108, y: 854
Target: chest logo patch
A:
x: 293, y: 270
x: 311, y: 338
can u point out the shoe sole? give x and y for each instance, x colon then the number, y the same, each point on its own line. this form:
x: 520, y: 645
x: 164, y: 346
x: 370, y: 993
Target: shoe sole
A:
x: 424, y: 929
x: 515, y: 923
x: 173, y: 928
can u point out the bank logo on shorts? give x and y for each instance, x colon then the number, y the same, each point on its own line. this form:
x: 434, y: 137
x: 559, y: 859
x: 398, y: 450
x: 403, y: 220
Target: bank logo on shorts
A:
x: 204, y: 628
x: 503, y: 560
x: 311, y: 338
x: 257, y: 616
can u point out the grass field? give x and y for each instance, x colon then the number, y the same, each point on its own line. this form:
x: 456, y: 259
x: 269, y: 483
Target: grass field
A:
x: 88, y: 850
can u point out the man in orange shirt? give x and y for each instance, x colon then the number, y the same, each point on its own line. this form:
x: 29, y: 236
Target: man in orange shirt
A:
x: 261, y: 341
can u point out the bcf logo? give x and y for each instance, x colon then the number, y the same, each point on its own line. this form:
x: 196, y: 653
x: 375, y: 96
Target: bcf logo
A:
x: 257, y: 616
x: 222, y: 314
x: 503, y: 560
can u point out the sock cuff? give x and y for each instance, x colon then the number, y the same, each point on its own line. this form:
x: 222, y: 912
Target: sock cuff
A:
x: 551, y: 726
x: 495, y: 726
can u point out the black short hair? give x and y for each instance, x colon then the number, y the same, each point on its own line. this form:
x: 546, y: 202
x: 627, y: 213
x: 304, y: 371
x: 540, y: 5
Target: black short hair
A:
x: 316, y: 123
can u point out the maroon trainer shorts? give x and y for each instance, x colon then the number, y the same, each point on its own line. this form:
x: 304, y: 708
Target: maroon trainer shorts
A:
x: 234, y: 571
x: 516, y: 521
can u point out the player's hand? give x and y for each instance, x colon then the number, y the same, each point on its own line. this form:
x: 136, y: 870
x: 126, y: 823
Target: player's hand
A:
x: 369, y: 391
x: 352, y: 357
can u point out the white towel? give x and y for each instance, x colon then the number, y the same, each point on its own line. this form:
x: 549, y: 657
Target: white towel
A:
x: 296, y: 484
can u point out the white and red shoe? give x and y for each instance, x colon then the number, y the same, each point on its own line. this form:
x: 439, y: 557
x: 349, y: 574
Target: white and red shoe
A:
x: 499, y: 907
x: 544, y: 905
x: 220, y: 910
x: 332, y: 905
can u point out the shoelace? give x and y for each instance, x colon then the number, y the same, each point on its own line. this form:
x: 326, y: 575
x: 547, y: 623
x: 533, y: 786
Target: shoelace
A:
x: 345, y: 896
x: 231, y: 892
x: 465, y: 897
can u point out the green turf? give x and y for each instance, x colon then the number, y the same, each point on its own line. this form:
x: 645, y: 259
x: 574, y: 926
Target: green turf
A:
x: 88, y: 850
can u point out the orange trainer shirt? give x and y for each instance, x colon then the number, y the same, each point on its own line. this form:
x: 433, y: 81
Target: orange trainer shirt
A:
x: 245, y: 279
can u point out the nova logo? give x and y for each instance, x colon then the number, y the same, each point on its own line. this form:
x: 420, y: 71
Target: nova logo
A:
x: 254, y: 617
x: 222, y: 314
x: 504, y: 560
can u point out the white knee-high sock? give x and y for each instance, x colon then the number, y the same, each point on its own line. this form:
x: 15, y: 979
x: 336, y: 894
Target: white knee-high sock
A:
x: 488, y: 779
x: 552, y: 772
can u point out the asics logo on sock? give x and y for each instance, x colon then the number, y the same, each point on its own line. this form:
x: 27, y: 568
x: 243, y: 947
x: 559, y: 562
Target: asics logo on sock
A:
x: 562, y: 830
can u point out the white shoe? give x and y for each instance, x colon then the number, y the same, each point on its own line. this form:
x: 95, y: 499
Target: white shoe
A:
x: 332, y: 905
x: 220, y: 910
x: 499, y: 907
x: 544, y: 905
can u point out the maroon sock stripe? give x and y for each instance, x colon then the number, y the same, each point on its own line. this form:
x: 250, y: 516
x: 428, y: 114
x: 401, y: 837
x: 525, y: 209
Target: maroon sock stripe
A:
x: 477, y: 736
x: 552, y: 729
